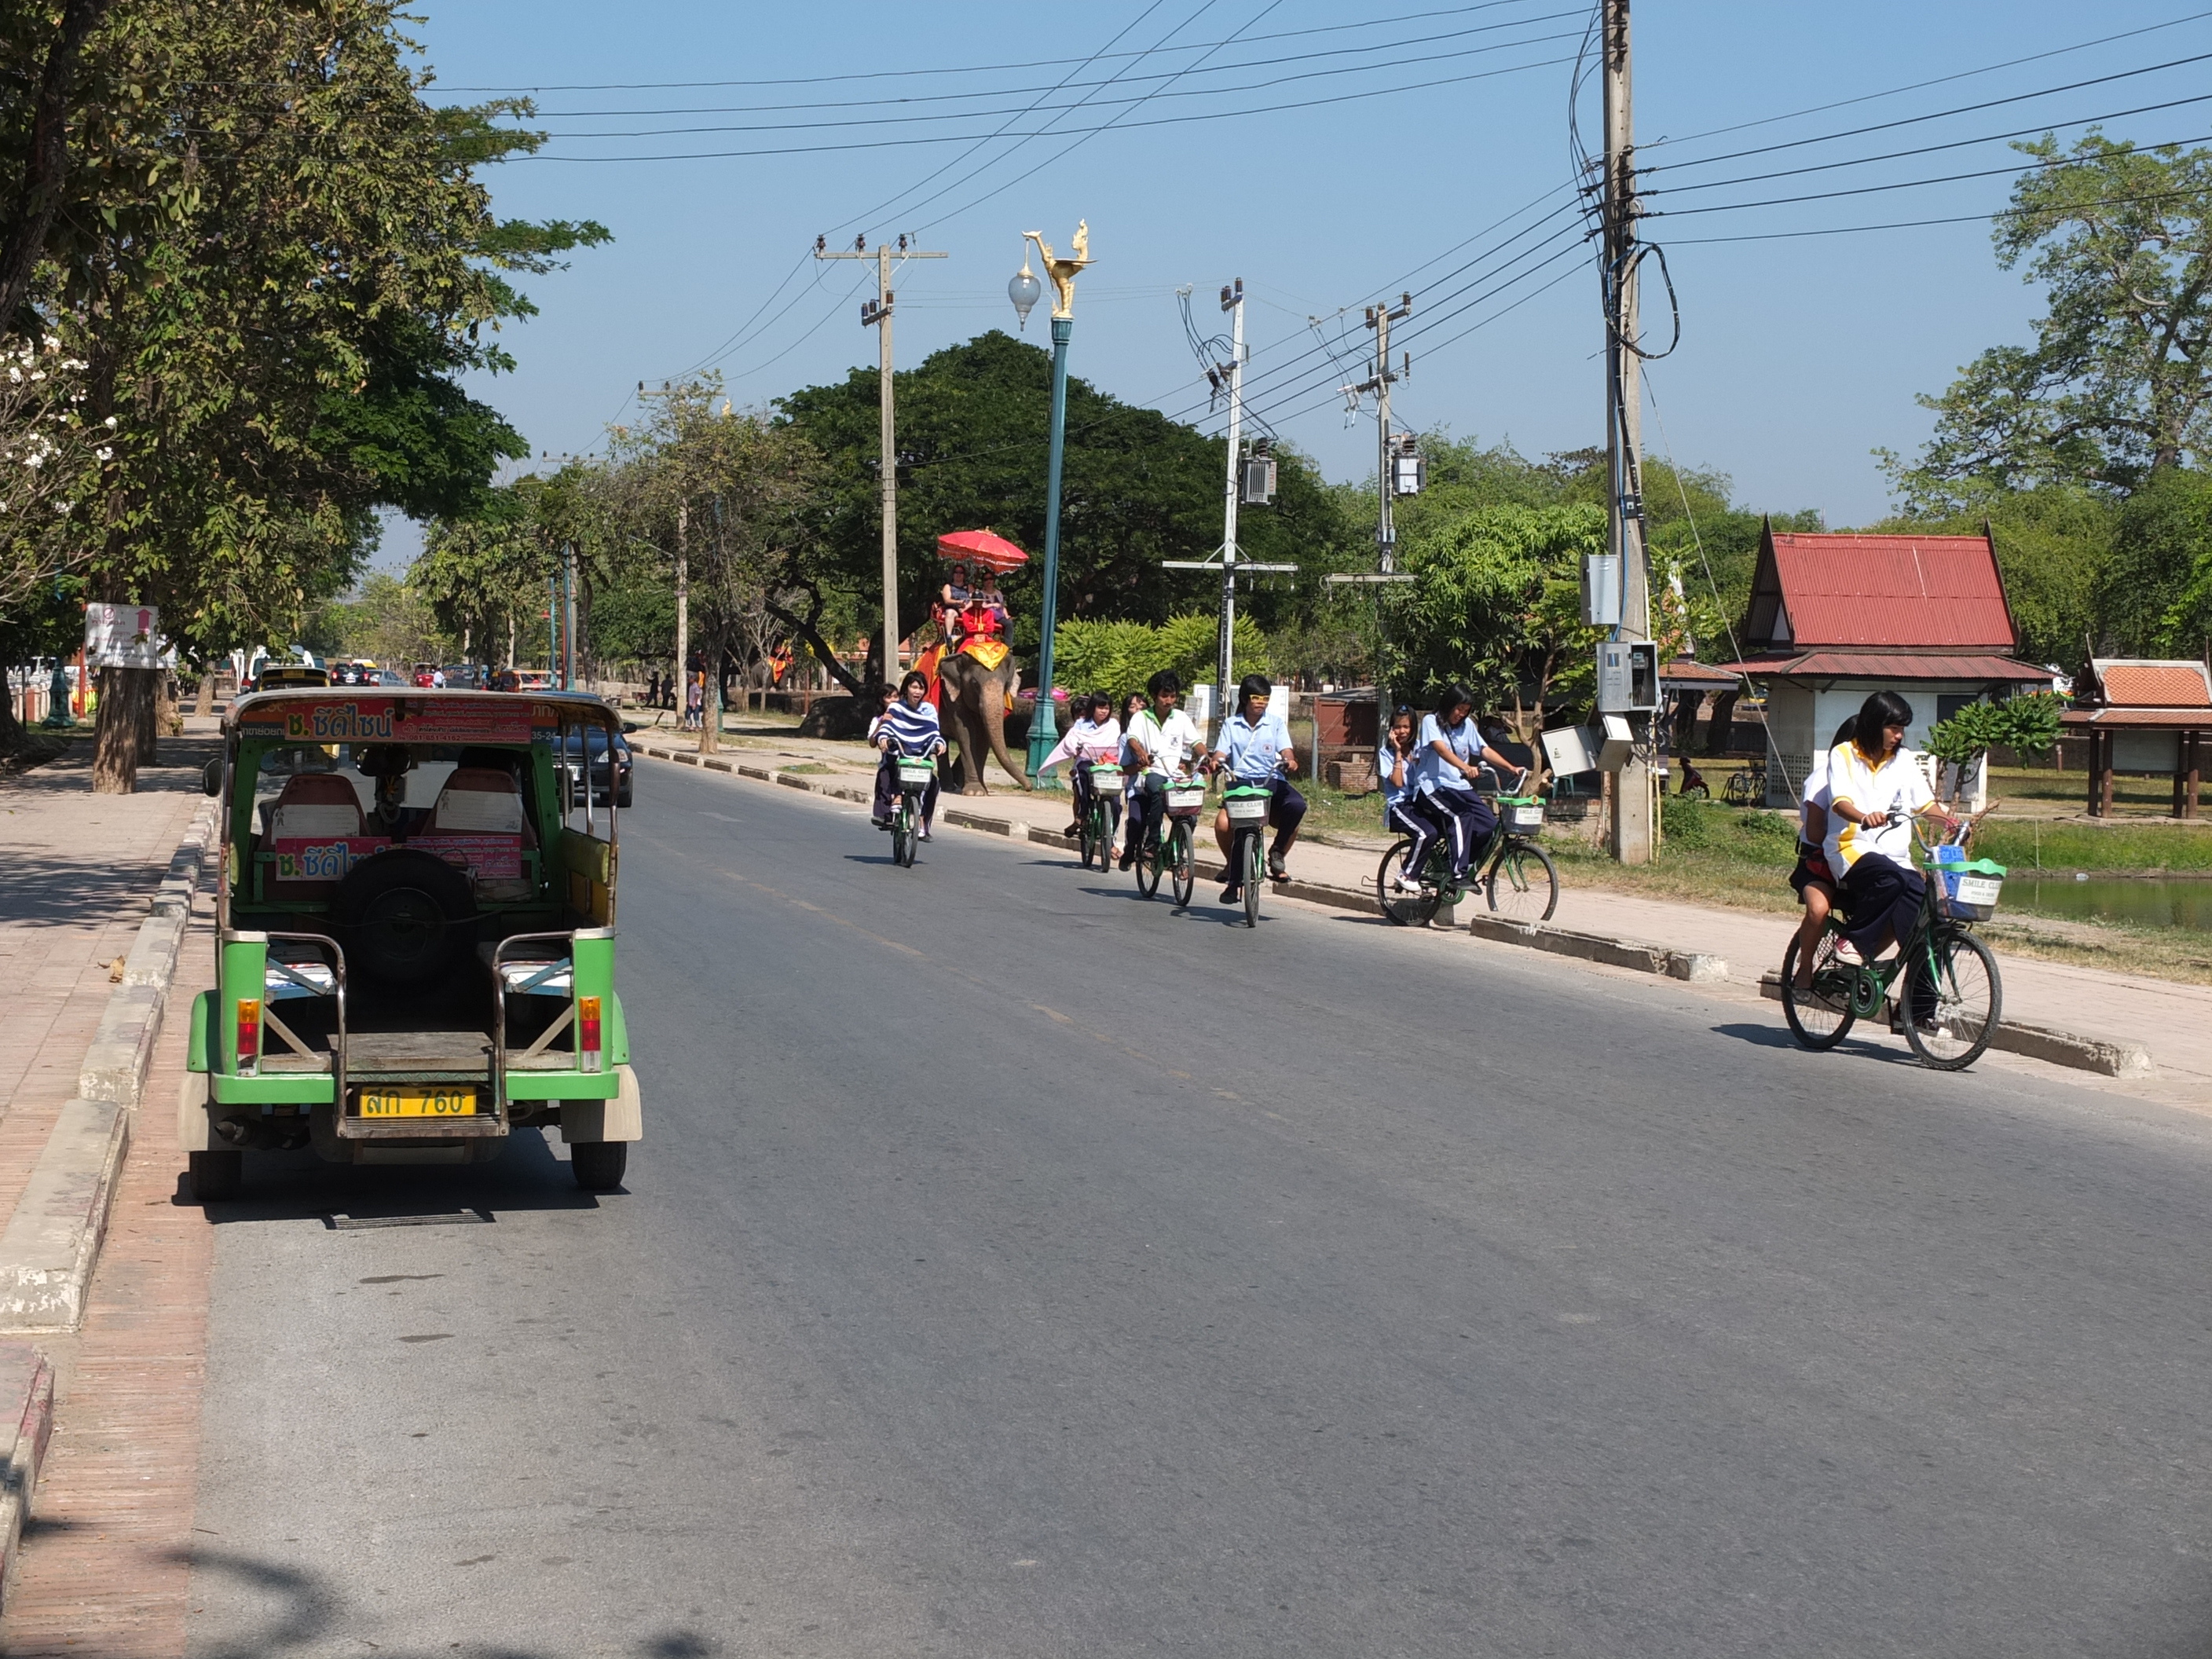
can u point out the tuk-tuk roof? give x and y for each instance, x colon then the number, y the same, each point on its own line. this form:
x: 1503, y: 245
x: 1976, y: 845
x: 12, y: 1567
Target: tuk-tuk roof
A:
x: 391, y: 714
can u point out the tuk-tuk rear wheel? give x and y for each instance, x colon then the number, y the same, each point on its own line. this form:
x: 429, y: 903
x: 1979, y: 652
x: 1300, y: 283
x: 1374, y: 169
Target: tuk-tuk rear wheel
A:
x: 597, y: 1165
x: 217, y: 1175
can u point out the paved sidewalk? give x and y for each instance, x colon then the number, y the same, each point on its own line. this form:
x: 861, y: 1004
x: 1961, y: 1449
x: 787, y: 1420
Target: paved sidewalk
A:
x: 76, y: 874
x: 106, y: 1559
x: 2173, y: 1021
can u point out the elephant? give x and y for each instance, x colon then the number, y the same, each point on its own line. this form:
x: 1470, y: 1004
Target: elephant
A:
x: 973, y: 702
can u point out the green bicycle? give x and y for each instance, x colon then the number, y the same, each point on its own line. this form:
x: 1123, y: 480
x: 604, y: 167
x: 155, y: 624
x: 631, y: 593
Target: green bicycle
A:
x: 1169, y: 848
x: 1247, y: 805
x: 1952, y: 995
x: 1518, y: 875
x: 1095, y: 825
x: 915, y: 777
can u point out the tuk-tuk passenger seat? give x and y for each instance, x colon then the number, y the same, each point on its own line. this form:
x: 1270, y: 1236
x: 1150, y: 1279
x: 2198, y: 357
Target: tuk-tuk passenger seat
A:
x: 479, y: 800
x: 315, y: 806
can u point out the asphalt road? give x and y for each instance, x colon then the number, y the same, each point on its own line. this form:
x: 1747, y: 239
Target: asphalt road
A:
x: 1015, y: 1267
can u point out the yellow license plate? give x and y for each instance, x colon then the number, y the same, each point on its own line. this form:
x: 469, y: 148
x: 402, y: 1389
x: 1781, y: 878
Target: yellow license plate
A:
x: 458, y: 1102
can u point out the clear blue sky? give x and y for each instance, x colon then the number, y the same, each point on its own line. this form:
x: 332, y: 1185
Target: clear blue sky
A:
x: 1798, y: 356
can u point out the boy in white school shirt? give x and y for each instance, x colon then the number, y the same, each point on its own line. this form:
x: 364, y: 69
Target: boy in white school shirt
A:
x: 1165, y: 742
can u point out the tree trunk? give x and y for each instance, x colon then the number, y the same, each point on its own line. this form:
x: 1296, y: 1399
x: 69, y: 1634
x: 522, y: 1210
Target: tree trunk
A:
x: 13, y: 737
x: 1684, y: 736
x: 710, y: 722
x: 127, y: 696
x: 46, y: 172
x: 203, y: 704
x: 825, y: 656
x: 1721, y: 724
x: 148, y: 715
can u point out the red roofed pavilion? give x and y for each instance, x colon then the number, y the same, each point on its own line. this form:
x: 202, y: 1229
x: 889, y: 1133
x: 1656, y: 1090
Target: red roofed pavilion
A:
x: 1836, y: 617
x: 2143, y: 715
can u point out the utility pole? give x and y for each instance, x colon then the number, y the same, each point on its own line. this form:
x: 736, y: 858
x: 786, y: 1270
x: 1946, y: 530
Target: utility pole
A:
x: 1379, y: 318
x: 682, y: 580
x: 1632, y: 826
x: 1232, y: 301
x: 877, y: 314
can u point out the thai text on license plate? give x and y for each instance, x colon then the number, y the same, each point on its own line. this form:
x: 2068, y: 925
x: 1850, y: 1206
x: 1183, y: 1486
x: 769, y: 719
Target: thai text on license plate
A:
x: 452, y: 1102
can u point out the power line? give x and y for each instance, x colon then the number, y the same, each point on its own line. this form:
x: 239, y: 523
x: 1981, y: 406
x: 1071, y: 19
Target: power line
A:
x: 1069, y: 85
x: 1167, y: 120
x: 1917, y: 86
x: 1914, y: 224
x: 1925, y: 150
x: 971, y: 69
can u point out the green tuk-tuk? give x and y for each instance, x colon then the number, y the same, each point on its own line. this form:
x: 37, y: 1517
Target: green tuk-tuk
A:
x: 416, y: 937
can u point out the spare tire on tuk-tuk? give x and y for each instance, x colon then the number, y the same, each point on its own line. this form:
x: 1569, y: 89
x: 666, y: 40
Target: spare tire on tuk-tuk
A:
x: 404, y: 917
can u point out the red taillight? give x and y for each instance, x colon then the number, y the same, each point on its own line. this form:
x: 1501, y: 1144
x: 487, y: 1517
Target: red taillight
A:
x: 587, y: 1033
x: 249, y: 1033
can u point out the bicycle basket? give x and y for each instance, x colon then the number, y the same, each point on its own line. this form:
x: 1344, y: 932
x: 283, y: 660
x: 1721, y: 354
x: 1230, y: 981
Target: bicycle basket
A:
x: 1247, y: 806
x: 1106, y: 780
x: 1521, y: 815
x: 1187, y: 800
x: 916, y: 774
x: 1970, y: 891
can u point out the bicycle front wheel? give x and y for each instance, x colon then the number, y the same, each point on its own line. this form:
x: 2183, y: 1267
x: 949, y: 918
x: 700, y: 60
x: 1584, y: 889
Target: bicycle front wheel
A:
x: 1086, y: 838
x: 1184, y: 861
x: 1523, y: 884
x: 1949, y: 1022
x: 1255, y: 874
x: 1152, y: 858
x: 1819, y: 1014
x: 1412, y: 907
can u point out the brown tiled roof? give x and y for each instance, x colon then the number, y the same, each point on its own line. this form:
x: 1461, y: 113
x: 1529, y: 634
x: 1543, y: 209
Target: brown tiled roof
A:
x: 2147, y: 684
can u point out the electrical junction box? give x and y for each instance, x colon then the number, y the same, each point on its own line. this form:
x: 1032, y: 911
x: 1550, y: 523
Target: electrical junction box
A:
x: 1601, y: 590
x: 1605, y: 747
x: 1409, y: 474
x: 1627, y: 677
x: 1619, y: 742
x: 1259, y: 482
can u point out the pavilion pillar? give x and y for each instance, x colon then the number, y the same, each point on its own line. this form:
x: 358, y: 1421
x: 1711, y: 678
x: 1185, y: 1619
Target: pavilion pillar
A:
x: 2105, y: 775
x: 2096, y: 738
x: 2188, y: 773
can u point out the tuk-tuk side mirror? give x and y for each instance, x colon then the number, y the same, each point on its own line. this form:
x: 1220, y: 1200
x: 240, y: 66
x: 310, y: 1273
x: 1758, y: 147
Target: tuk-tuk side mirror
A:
x: 211, y: 776
x: 630, y: 726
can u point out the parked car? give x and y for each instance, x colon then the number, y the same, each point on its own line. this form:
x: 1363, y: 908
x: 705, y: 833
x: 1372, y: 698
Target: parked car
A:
x: 598, y: 743
x: 391, y: 677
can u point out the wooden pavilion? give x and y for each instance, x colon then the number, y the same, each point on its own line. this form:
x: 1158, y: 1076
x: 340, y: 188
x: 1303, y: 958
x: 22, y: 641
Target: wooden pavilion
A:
x: 2143, y: 715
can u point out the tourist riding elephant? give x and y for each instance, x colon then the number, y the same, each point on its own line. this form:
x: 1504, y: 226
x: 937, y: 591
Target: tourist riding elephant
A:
x: 973, y: 703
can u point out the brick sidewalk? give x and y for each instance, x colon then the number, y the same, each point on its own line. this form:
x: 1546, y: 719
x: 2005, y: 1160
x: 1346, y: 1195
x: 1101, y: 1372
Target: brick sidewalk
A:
x: 2172, y: 1020
x: 105, y: 1564
x: 76, y: 873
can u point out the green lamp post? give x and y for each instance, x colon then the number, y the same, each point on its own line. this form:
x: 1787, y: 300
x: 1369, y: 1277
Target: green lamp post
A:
x: 1025, y: 291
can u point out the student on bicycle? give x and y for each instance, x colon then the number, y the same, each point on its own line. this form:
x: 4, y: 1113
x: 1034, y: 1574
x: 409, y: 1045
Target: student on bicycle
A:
x: 1398, y: 765
x: 1165, y: 742
x: 909, y: 729
x: 1813, y: 881
x: 1453, y: 754
x: 1256, y: 751
x: 1093, y: 738
x: 1876, y: 789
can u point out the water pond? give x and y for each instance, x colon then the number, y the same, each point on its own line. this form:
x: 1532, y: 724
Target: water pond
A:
x: 2145, y: 901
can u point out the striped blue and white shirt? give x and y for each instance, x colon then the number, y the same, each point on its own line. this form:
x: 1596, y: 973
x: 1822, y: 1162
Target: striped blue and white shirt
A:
x: 916, y: 729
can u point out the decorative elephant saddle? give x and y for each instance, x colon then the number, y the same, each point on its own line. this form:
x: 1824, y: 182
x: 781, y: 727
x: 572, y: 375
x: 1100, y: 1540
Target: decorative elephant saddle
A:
x: 989, y: 652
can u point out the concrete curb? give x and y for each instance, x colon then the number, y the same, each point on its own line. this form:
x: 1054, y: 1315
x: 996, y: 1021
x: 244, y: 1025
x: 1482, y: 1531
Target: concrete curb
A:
x: 27, y: 1424
x: 2043, y: 1042
x: 53, y: 1240
x: 1693, y: 967
x: 123, y: 1047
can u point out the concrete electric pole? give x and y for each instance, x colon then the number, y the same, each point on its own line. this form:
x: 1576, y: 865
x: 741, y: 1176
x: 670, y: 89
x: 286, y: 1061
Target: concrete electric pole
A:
x: 1232, y: 301
x: 1632, y: 826
x: 877, y: 314
x: 1379, y: 318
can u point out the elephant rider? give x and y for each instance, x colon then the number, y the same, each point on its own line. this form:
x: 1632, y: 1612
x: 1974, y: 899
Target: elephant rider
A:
x: 1257, y: 752
x: 1166, y: 743
x: 908, y: 728
x: 951, y: 599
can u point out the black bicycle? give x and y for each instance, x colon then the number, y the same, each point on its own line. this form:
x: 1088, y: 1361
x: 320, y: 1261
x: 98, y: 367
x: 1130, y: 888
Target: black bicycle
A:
x: 1518, y: 875
x: 1170, y: 847
x: 1951, y: 998
x: 1746, y: 788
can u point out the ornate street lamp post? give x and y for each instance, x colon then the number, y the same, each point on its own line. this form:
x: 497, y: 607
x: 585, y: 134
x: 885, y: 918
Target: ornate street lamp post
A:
x: 1023, y: 291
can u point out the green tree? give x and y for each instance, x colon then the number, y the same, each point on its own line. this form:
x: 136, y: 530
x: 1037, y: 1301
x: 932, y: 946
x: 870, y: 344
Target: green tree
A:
x: 1495, y: 602
x: 973, y: 436
x: 2117, y: 386
x: 278, y: 262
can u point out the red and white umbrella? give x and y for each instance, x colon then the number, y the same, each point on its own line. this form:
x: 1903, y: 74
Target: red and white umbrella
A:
x: 981, y: 547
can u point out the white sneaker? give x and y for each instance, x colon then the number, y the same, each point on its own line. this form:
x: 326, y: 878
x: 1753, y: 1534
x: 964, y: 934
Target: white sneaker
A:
x: 1848, y: 954
x: 1405, y: 883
